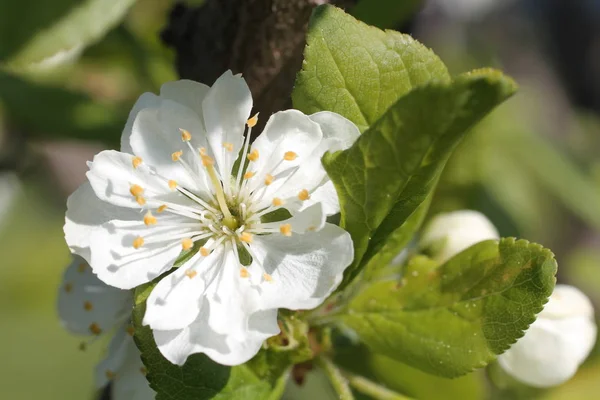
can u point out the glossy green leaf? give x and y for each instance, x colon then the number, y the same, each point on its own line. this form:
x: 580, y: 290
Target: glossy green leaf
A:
x: 357, y: 70
x: 53, y: 31
x: 386, y: 13
x: 385, y: 179
x: 200, y: 377
x: 452, y: 319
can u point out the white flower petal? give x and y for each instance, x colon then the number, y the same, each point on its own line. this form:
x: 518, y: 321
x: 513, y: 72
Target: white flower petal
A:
x: 232, y: 299
x: 176, y: 300
x: 86, y: 212
x: 186, y: 92
x: 310, y: 219
x: 226, y: 108
x: 84, y: 300
x: 177, y: 346
x: 305, y: 269
x: 131, y: 383
x: 112, y: 174
x: 567, y: 301
x: 335, y: 126
x: 119, y: 264
x: 326, y: 195
x: 109, y: 367
x: 144, y: 101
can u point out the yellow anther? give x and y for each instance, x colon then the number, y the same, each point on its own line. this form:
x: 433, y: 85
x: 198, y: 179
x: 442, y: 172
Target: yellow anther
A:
x: 204, y: 251
x: 88, y: 306
x: 136, y: 162
x: 187, y: 244
x: 143, y: 370
x: 286, y: 229
x: 244, y: 273
x: 253, y: 156
x: 95, y: 328
x: 68, y: 287
x: 177, y: 155
x: 110, y: 375
x: 130, y: 330
x: 172, y: 184
x: 304, y: 195
x: 269, y: 179
x: 290, y: 156
x: 190, y: 273
x: 277, y: 202
x: 185, y: 135
x: 140, y: 200
x: 82, y: 267
x: 249, y: 175
x: 138, y: 242
x: 202, y: 151
x: 149, y: 219
x: 136, y: 190
x: 311, y: 228
x: 228, y: 146
x: 252, y: 121
x: 161, y: 208
x: 207, y: 161
x: 267, y: 277
x: 246, y: 237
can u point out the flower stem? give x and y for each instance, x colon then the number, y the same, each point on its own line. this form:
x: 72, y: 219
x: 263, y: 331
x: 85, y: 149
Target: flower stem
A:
x: 337, y: 379
x: 372, y: 389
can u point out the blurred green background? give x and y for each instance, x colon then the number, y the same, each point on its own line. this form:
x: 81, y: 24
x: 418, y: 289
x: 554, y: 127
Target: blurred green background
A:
x: 533, y: 166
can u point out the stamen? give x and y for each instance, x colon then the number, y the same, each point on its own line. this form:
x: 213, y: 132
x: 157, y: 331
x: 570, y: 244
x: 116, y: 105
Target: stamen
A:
x: 138, y: 242
x: 244, y: 273
x: 253, y: 156
x: 246, y: 237
x: 269, y: 179
x: 110, y: 375
x: 267, y: 277
x: 187, y: 243
x: 277, y: 202
x: 303, y: 195
x: 228, y: 146
x: 68, y: 287
x: 82, y: 267
x: 202, y: 151
x: 185, y: 135
x: 130, y: 330
x: 88, y: 306
x: 136, y: 162
x: 136, y: 190
x: 161, y: 208
x: 172, y: 185
x: 177, y: 155
x: 208, y: 162
x: 252, y: 121
x: 140, y: 200
x: 204, y: 252
x: 286, y: 230
x: 149, y: 219
x: 95, y: 328
x: 249, y: 175
x: 290, y: 156
x: 144, y: 371
x: 190, y: 273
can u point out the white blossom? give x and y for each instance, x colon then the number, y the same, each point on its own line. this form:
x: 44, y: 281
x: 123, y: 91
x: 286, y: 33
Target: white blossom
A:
x: 187, y: 179
x: 556, y: 344
x: 447, y: 234
x: 89, y: 307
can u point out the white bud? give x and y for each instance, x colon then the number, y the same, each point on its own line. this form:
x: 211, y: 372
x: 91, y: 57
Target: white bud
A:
x: 557, y: 343
x: 448, y: 234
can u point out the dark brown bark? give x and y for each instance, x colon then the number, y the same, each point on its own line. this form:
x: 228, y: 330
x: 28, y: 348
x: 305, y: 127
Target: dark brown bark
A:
x: 262, y: 39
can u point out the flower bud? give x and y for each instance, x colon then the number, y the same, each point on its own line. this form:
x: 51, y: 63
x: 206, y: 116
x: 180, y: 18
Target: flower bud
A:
x: 448, y: 234
x: 556, y: 343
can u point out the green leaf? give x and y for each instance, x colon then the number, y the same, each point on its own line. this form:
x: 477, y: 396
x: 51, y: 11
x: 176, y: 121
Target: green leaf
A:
x: 357, y: 70
x: 31, y: 33
x: 200, y: 377
x: 452, y: 319
x: 385, y: 179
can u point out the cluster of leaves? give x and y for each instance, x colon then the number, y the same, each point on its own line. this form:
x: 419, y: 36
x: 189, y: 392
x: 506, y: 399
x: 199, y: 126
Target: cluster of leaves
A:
x: 442, y: 319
